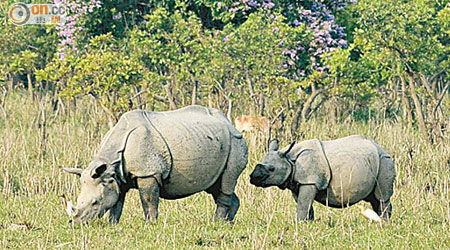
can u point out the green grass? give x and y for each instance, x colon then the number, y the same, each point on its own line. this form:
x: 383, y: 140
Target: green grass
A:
x: 31, y: 181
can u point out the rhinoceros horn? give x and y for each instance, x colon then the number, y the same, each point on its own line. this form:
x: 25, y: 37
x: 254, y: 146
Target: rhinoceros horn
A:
x: 76, y: 171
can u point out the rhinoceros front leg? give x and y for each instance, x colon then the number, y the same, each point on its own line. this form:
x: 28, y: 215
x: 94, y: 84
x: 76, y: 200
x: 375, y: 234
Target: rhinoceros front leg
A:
x: 116, y: 211
x: 149, y: 193
x: 305, y: 199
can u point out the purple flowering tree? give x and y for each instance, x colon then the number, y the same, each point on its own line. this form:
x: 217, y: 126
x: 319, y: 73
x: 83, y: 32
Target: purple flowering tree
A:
x: 305, y: 63
x: 69, y: 32
x: 317, y: 16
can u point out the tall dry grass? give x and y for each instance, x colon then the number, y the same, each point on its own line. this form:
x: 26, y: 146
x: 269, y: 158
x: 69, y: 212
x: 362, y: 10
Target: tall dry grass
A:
x: 36, y: 141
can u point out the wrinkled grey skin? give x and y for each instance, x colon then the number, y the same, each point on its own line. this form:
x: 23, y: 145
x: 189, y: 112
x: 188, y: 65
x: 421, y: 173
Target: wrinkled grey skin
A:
x: 170, y: 155
x: 336, y: 173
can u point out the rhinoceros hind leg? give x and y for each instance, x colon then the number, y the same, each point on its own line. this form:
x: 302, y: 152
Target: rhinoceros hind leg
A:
x: 223, y: 201
x: 149, y: 193
x: 384, y: 187
x: 233, y: 207
x: 382, y: 208
x: 385, y: 209
x: 223, y: 190
x: 237, y: 161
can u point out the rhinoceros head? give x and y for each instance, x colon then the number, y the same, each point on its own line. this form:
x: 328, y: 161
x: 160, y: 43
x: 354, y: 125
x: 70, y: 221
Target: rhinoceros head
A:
x: 99, y: 189
x: 275, y: 168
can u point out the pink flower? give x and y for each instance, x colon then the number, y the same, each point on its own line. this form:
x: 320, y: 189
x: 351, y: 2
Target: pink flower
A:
x: 118, y: 16
x: 269, y: 5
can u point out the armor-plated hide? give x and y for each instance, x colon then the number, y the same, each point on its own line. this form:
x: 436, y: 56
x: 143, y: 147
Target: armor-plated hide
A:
x: 186, y: 150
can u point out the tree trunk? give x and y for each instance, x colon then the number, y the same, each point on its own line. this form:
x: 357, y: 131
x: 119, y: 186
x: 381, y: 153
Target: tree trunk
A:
x: 420, y: 118
x: 169, y: 92
x: 296, y: 119
x: 230, y: 105
x: 210, y: 101
x: 407, y: 113
x: 261, y: 104
x: 12, y: 82
x: 3, y: 104
x: 252, y: 95
x: 307, y: 105
x: 30, y: 84
x: 194, y: 93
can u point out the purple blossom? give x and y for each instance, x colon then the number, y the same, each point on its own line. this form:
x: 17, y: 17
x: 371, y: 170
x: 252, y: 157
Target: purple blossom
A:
x: 67, y: 32
x: 118, y: 16
x: 343, y: 43
x: 226, y: 38
x: 268, y: 5
x: 319, y: 20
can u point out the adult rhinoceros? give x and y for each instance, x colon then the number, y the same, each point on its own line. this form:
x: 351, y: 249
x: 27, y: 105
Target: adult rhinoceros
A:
x: 163, y: 154
x: 336, y: 173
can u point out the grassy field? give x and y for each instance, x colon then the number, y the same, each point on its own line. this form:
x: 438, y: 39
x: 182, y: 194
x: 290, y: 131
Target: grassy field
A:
x: 35, y: 142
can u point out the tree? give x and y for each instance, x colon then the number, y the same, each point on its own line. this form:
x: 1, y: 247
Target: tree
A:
x: 408, y: 41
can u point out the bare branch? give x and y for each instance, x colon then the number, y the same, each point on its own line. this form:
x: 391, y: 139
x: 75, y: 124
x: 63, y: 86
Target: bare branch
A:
x: 441, y: 98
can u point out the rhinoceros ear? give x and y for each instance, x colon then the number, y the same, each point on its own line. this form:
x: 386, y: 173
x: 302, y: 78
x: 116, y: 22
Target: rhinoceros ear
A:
x: 76, y: 171
x: 273, y: 145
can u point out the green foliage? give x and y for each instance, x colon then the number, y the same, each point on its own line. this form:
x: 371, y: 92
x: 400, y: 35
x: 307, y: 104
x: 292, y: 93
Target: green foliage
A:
x: 25, y: 49
x: 248, y: 61
x: 174, y: 53
x: 411, y: 31
x: 392, y: 40
x: 106, y: 72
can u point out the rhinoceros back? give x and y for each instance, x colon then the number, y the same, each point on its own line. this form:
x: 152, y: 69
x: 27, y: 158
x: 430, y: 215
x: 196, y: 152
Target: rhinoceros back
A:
x: 186, y: 150
x: 199, y: 144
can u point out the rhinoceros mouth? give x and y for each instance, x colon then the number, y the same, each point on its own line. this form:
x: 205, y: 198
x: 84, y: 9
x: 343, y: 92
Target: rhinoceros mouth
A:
x: 258, y: 181
x: 86, y: 215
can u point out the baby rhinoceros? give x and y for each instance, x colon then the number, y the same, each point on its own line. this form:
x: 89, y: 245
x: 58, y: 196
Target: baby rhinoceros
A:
x: 336, y: 173
x: 163, y: 154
